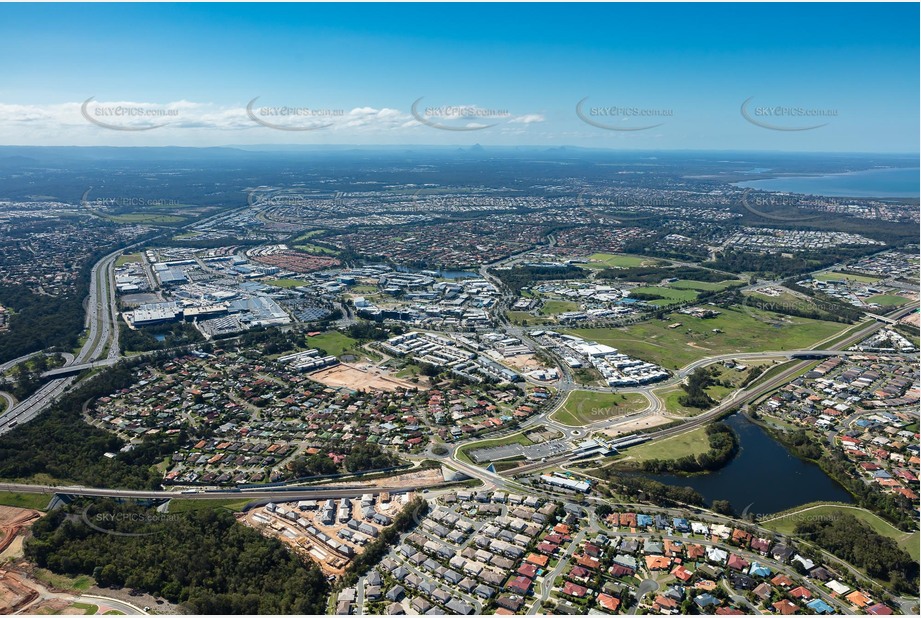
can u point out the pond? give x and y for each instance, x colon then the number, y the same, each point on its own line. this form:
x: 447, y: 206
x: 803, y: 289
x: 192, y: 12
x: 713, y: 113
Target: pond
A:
x: 763, y: 478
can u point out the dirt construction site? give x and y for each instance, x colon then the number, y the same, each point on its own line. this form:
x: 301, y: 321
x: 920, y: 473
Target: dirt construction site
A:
x: 12, y: 521
x: 352, y: 377
x: 15, y: 591
x: 329, y: 532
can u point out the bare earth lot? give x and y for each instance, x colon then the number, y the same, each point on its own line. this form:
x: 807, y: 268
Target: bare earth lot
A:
x: 352, y: 377
x: 643, y: 422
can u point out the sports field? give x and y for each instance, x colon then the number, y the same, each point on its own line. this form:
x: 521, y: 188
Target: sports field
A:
x: 608, y: 260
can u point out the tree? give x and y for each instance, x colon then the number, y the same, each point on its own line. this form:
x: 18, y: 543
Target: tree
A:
x: 368, y: 456
x: 723, y: 507
x: 603, y: 510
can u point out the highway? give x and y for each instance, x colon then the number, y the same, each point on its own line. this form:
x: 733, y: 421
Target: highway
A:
x: 102, y: 342
x: 289, y: 494
x: 102, y: 335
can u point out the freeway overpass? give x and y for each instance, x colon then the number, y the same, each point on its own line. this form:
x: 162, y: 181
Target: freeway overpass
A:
x: 69, y: 370
x: 881, y: 318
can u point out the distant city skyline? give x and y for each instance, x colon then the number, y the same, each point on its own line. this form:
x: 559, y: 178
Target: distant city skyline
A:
x: 744, y: 77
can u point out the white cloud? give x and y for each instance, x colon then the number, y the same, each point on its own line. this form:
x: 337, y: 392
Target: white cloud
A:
x: 527, y: 119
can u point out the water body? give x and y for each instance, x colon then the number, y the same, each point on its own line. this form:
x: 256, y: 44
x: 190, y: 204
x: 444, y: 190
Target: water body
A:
x: 764, y: 476
x: 444, y: 274
x: 880, y: 182
x: 458, y: 274
x: 159, y: 337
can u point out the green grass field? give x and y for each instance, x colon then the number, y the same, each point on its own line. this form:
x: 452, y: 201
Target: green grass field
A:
x: 364, y: 289
x: 587, y: 376
x: 671, y: 296
x: 844, y: 334
x: 334, y: 343
x: 39, y: 502
x: 308, y: 235
x: 409, y: 371
x: 127, y: 259
x: 670, y: 395
x: 887, y: 300
x: 285, y: 283
x: 80, y: 583
x: 693, y: 442
x: 827, y: 276
x: 785, y: 298
x: 785, y: 524
x: 141, y: 217
x: 608, y: 260
x: 687, y: 284
x: 585, y: 407
x: 88, y: 609
x: 315, y: 249
x: 523, y: 317
x: 751, y: 330
x: 553, y: 307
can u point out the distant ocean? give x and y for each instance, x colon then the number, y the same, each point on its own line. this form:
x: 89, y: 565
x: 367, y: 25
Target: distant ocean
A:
x: 881, y: 182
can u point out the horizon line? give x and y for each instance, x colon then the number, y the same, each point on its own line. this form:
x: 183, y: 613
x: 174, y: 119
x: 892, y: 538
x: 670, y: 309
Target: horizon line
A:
x: 465, y: 147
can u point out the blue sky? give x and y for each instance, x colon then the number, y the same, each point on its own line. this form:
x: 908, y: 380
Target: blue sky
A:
x: 675, y: 74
